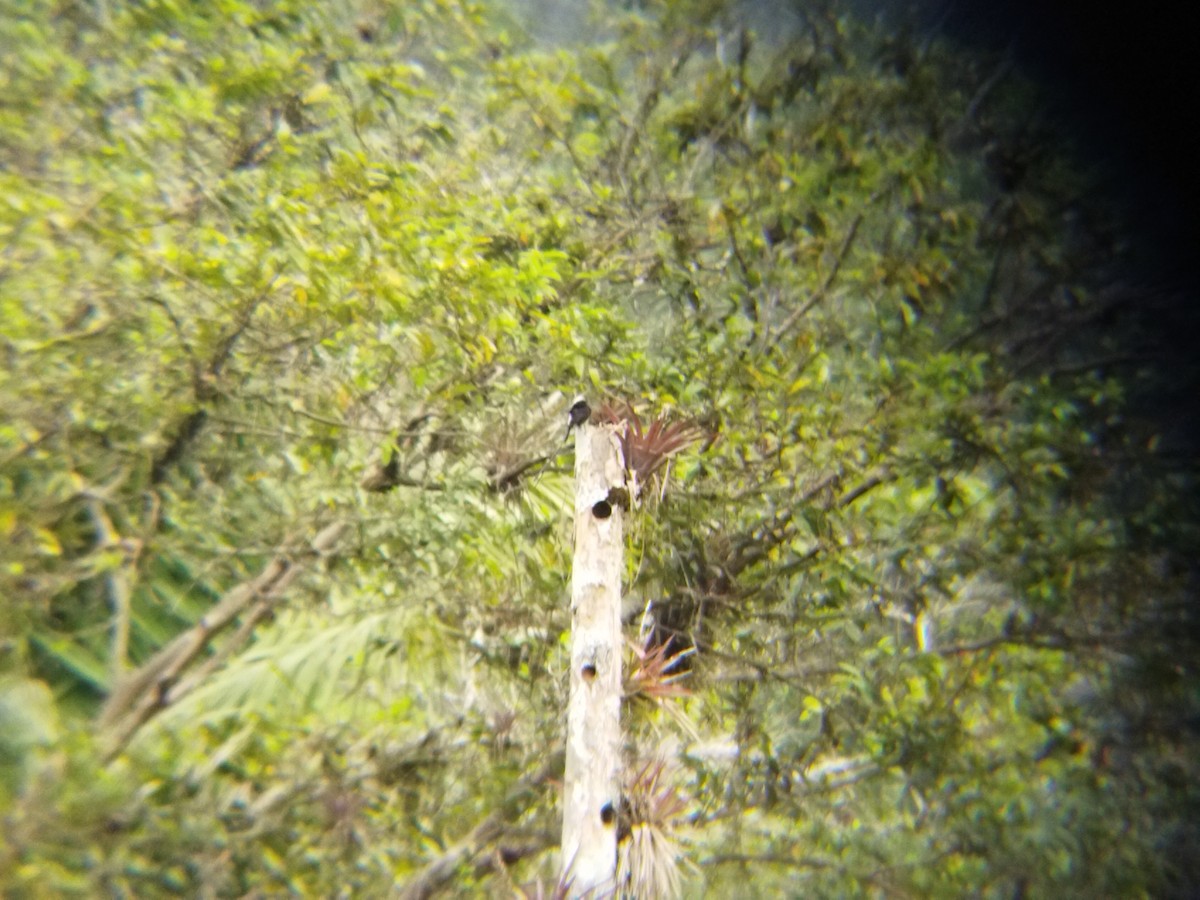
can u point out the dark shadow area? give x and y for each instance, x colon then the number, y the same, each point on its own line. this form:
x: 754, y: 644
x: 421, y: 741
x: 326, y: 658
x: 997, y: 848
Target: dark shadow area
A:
x: 1122, y: 84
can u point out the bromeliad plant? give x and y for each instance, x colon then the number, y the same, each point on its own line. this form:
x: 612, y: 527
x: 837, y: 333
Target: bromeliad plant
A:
x: 647, y: 450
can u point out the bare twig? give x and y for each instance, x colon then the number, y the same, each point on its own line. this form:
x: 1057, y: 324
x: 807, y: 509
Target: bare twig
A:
x: 823, y: 290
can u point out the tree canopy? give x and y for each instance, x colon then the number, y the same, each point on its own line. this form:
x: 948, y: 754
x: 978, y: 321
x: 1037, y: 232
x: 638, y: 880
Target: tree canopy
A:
x: 295, y: 298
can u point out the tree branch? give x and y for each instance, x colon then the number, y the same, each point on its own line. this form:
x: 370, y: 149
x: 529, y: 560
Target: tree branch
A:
x: 823, y: 290
x: 152, y: 688
x: 441, y: 871
x: 203, y: 388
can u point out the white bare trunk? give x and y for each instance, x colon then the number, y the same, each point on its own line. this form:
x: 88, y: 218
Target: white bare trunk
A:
x: 591, y: 789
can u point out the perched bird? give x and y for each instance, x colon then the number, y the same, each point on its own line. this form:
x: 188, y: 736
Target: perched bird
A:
x: 383, y: 478
x: 579, y: 413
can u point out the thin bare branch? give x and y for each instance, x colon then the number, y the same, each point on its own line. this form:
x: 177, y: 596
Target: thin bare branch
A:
x: 151, y: 689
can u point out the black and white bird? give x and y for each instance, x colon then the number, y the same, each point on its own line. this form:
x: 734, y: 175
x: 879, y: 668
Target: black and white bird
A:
x: 579, y: 413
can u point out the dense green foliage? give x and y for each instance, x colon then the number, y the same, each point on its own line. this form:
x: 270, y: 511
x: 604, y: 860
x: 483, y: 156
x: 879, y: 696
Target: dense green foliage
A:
x: 258, y: 258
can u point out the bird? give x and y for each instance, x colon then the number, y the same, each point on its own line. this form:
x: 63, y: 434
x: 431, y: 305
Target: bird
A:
x: 579, y: 413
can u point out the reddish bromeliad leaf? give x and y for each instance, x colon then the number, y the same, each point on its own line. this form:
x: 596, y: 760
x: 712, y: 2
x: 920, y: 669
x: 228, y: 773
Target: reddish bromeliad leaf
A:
x: 653, y: 677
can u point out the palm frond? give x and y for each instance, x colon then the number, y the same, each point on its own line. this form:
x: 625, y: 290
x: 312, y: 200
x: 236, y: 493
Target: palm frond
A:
x: 292, y: 670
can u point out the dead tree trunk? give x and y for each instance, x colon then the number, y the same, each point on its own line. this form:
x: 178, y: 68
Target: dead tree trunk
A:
x: 591, y: 786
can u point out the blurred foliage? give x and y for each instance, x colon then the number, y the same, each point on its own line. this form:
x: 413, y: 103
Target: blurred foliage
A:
x: 933, y: 557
